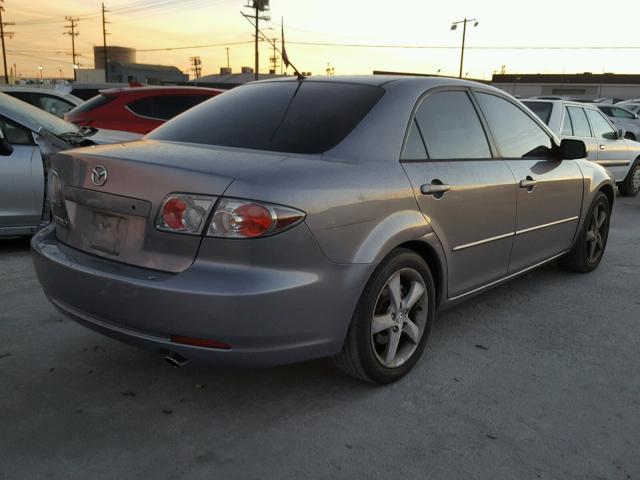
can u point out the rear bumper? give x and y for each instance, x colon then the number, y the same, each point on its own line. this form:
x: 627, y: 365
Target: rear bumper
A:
x: 268, y: 315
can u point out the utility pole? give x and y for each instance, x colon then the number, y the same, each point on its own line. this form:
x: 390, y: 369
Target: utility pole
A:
x: 228, y: 65
x: 4, y: 34
x: 104, y: 42
x: 454, y: 26
x: 274, y: 57
x: 259, y: 6
x: 196, y: 66
x: 73, y: 33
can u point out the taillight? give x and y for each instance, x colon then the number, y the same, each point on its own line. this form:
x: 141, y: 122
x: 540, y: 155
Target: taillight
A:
x: 235, y: 218
x: 184, y: 213
x: 55, y: 197
x: 232, y: 218
x: 83, y: 123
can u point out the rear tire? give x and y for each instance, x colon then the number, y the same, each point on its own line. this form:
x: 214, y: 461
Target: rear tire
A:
x: 392, y: 320
x: 588, y: 250
x: 630, y: 186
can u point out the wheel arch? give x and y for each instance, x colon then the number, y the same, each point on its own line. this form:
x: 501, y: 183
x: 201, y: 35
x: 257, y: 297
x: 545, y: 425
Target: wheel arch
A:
x: 435, y: 261
x: 609, y: 192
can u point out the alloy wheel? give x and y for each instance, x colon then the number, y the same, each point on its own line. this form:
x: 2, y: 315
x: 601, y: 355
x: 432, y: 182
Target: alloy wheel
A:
x: 399, y: 317
x: 635, y: 179
x: 596, y: 233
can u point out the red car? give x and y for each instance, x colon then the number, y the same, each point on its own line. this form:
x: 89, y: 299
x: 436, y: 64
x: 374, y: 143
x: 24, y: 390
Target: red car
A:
x: 137, y: 109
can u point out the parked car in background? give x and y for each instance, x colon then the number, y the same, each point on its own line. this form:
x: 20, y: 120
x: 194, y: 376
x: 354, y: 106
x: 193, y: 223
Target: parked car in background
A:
x: 623, y: 118
x: 29, y: 137
x: 606, y: 146
x: 328, y: 216
x: 51, y: 101
x: 138, y: 109
x: 86, y: 91
x: 631, y: 106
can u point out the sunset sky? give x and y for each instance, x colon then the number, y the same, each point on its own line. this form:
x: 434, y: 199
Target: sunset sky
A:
x: 153, y: 24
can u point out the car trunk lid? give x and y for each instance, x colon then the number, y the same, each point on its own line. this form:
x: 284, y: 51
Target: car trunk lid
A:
x: 112, y: 213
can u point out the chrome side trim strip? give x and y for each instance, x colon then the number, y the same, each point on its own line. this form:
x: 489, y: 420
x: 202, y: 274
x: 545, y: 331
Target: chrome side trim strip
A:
x: 538, y: 227
x: 613, y: 163
x: 503, y: 279
x: 481, y: 242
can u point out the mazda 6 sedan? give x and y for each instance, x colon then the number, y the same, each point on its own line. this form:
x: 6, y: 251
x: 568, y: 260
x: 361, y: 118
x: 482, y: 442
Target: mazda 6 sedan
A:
x: 316, y: 217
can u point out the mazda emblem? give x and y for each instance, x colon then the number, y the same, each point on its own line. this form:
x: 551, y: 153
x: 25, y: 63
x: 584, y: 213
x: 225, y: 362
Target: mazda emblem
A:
x: 99, y: 176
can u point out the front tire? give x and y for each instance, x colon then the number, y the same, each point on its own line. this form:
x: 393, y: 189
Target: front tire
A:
x: 392, y: 320
x: 588, y: 250
x: 630, y: 186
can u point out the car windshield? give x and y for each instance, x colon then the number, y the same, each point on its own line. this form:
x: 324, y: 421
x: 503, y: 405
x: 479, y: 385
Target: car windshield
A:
x: 284, y: 116
x: 541, y: 109
x: 33, y: 117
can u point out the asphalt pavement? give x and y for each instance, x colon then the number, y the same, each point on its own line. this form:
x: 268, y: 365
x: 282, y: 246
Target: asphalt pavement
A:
x: 539, y: 378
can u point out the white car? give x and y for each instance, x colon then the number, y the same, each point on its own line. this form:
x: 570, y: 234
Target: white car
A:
x: 623, y: 117
x: 606, y: 144
x: 53, y: 101
x: 28, y: 137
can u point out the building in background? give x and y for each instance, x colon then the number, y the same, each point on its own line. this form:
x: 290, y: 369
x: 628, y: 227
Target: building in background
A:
x: 114, y: 54
x: 226, y: 79
x: 579, y: 86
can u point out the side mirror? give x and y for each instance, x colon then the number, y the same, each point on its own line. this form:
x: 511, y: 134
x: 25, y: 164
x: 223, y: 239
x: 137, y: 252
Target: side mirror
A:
x: 5, y: 147
x: 572, y: 149
x: 621, y: 133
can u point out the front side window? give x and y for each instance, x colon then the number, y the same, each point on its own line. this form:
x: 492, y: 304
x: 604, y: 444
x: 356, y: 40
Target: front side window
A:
x: 451, y: 128
x: 601, y: 128
x: 517, y: 134
x: 622, y: 113
x: 53, y: 105
x: 579, y: 122
x: 15, y: 134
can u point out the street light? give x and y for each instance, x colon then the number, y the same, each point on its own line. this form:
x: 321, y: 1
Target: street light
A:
x: 454, y: 26
x: 40, y: 71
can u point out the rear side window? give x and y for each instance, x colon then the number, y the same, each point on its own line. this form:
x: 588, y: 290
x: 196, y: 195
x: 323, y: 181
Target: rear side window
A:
x: 93, y: 103
x: 414, y: 148
x: 579, y: 122
x: 295, y: 117
x: 567, y: 127
x: 165, y: 107
x: 541, y: 109
x: 15, y: 134
x: 517, y: 134
x: 451, y: 128
x: 601, y: 128
x: 53, y: 105
x: 24, y: 96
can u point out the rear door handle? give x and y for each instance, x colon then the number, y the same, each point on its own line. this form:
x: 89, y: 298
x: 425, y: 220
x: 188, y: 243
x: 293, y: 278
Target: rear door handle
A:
x: 435, y: 189
x: 529, y: 183
x: 603, y: 147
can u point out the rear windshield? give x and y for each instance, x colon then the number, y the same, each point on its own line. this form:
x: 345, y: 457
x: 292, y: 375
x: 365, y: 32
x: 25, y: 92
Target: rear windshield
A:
x: 93, y: 103
x: 293, y: 117
x: 541, y: 109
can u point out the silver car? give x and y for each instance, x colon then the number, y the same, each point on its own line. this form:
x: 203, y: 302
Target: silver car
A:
x: 52, y: 101
x: 29, y: 136
x: 294, y: 219
x: 606, y: 144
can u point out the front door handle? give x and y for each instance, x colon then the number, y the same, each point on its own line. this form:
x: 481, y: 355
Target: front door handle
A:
x: 435, y: 189
x: 603, y: 147
x: 528, y: 183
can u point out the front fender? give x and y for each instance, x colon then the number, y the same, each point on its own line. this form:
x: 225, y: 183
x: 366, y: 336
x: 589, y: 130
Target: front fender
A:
x: 596, y: 179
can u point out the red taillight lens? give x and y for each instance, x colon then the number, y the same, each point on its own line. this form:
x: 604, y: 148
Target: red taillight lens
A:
x: 234, y: 218
x: 83, y: 123
x: 173, y: 211
x: 184, y: 213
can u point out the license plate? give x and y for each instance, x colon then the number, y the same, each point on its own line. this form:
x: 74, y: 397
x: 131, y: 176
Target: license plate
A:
x: 109, y: 233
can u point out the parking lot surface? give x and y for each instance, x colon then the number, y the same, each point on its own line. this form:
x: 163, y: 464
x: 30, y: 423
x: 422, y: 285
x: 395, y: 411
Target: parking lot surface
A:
x: 539, y: 378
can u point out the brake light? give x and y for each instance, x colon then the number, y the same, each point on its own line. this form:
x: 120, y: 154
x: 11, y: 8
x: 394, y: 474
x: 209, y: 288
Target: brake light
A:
x: 184, y: 213
x: 232, y: 218
x: 235, y: 218
x: 55, y: 197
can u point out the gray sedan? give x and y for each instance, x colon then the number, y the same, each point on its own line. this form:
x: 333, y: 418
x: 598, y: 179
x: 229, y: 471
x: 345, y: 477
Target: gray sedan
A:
x: 302, y: 218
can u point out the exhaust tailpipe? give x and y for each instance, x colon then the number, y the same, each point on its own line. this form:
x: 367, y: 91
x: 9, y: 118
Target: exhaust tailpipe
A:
x: 176, y: 360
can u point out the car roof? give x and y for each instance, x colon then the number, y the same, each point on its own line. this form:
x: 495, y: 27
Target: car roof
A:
x: 418, y: 83
x: 157, y: 89
x: 571, y: 103
x: 50, y: 91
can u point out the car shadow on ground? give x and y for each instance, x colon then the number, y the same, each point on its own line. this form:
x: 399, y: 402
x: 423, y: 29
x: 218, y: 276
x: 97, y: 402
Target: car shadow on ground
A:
x: 12, y: 245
